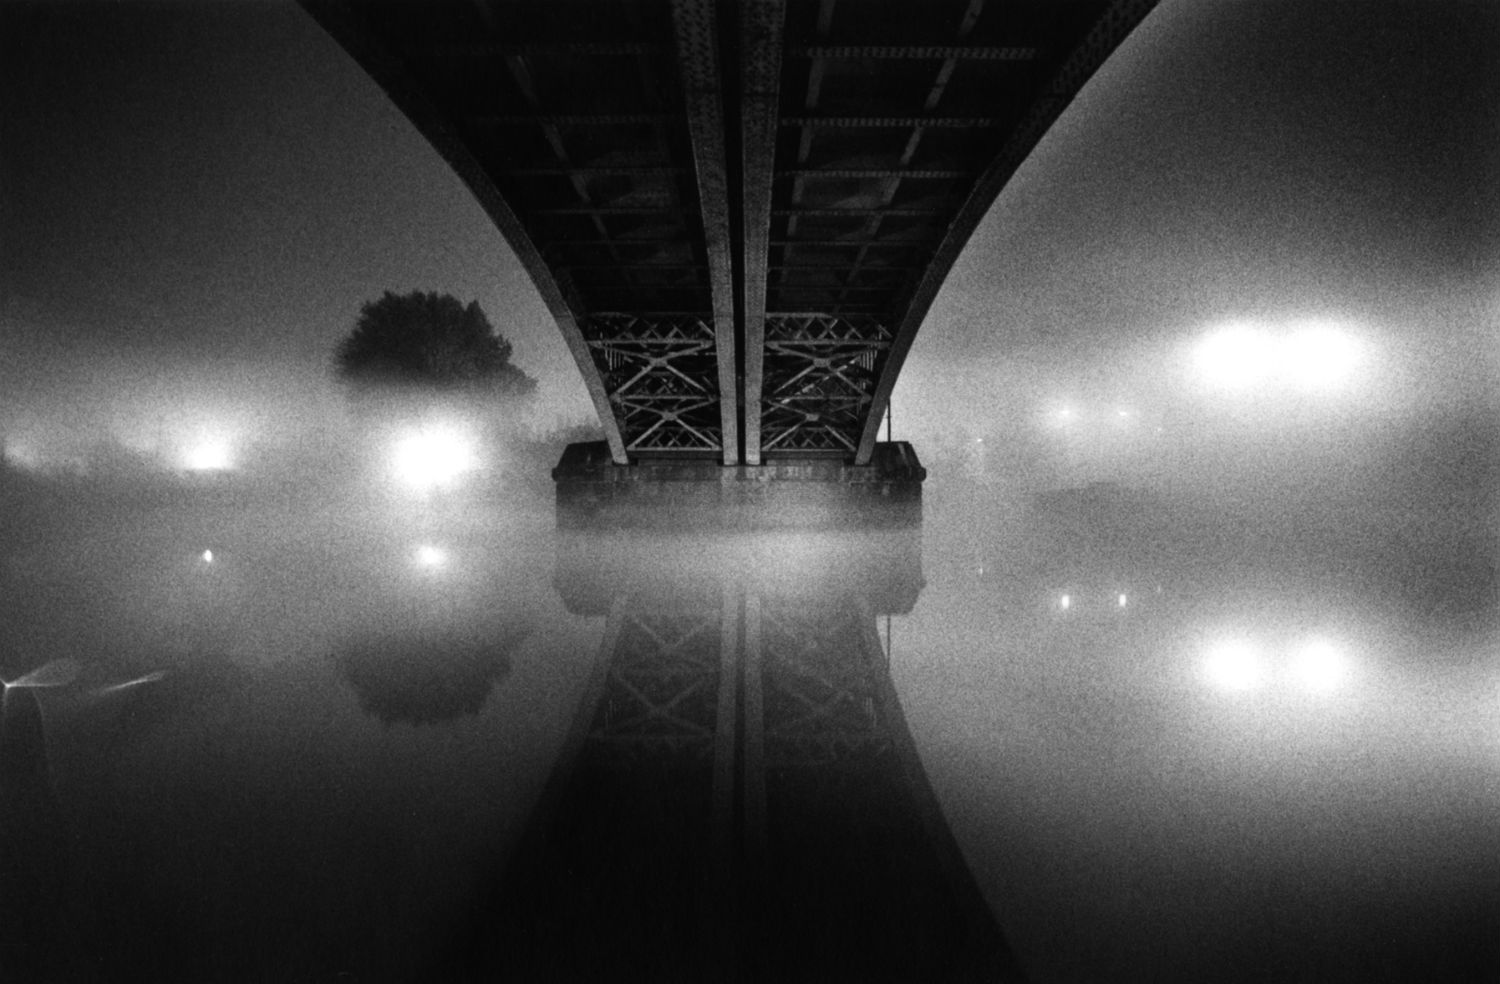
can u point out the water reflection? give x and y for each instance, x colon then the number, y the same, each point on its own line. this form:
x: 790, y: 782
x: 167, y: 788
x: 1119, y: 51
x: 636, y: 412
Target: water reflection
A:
x: 431, y: 678
x: 740, y: 797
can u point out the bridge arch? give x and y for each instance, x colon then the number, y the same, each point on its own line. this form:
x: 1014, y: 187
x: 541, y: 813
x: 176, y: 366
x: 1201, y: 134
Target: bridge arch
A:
x: 737, y: 213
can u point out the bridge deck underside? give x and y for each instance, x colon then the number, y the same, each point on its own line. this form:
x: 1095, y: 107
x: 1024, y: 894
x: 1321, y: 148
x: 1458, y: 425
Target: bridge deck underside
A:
x: 738, y: 213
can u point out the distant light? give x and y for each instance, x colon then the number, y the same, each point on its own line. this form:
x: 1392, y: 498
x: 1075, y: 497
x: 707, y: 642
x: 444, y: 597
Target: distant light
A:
x: 208, y: 556
x: 209, y: 455
x: 1065, y: 602
x: 430, y: 556
x: 1238, y: 357
x: 1123, y: 414
x: 152, y: 677
x: 434, y: 457
x: 1235, y: 665
x: 1320, y: 665
x: 1122, y: 601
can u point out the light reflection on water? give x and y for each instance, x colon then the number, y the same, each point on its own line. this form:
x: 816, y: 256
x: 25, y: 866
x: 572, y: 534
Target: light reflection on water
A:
x: 1160, y: 753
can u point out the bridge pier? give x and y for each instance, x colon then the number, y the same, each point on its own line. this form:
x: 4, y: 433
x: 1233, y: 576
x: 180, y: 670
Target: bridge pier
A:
x: 795, y: 493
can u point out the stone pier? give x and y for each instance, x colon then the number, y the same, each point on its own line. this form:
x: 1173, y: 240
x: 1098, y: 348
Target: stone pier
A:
x: 701, y: 494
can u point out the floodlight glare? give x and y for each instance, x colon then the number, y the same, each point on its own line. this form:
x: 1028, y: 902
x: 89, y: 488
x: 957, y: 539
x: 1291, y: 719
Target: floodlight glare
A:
x: 1320, y: 665
x: 434, y: 457
x: 430, y: 556
x: 212, y: 454
x: 1234, y: 665
x: 1319, y: 358
x: 1238, y: 357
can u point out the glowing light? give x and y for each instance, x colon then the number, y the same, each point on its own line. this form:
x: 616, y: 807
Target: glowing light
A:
x: 1319, y: 358
x: 57, y: 673
x: 1238, y: 357
x: 138, y: 681
x: 431, y: 557
x: 208, y: 556
x: 1235, y: 665
x: 209, y: 455
x: 1310, y: 356
x: 1123, y: 600
x: 1065, y: 602
x: 434, y: 457
x: 1320, y: 665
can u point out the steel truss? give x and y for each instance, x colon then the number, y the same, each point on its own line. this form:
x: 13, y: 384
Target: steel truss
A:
x: 662, y: 687
x: 822, y: 702
x: 820, y: 376
x: 661, y: 377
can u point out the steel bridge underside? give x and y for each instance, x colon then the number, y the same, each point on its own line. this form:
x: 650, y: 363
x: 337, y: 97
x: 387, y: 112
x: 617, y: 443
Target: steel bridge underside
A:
x: 738, y: 213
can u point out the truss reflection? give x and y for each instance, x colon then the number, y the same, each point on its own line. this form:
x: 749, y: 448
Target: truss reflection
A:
x: 741, y: 798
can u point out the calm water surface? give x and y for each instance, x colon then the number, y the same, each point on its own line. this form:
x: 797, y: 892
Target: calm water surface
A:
x: 1090, y: 736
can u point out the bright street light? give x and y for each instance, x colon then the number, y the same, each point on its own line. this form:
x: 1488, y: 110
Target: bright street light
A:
x: 434, y: 457
x: 209, y: 455
x: 1235, y: 665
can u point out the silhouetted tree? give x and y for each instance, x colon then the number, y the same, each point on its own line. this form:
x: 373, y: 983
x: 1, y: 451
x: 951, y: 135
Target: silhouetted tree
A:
x: 429, y: 341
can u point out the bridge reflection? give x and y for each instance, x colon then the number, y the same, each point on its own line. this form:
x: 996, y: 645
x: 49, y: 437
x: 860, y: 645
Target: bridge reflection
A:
x: 740, y: 797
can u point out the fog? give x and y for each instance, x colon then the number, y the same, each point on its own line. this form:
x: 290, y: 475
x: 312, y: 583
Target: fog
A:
x: 1170, y: 735
x: 1189, y: 672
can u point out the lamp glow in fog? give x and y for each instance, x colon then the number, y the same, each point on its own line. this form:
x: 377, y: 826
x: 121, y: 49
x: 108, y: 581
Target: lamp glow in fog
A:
x: 209, y: 455
x: 1234, y: 665
x: 207, y: 556
x: 1311, y: 356
x: 1319, y: 358
x: 1065, y: 602
x: 1320, y: 665
x: 431, y: 557
x: 1237, y: 357
x: 434, y: 457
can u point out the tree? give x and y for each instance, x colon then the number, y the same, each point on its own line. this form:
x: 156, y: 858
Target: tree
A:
x: 429, y: 341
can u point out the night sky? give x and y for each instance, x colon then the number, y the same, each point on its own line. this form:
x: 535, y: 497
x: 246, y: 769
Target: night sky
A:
x: 195, y: 198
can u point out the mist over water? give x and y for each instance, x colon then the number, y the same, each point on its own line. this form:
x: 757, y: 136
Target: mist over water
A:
x: 1205, y: 730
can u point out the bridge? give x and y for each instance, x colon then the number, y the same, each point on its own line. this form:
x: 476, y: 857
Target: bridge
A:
x: 738, y: 211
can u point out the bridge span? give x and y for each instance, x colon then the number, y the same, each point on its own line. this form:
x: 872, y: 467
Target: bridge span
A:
x: 737, y: 211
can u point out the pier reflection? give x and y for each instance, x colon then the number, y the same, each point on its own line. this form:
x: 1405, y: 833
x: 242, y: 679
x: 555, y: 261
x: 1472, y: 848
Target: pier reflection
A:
x: 740, y: 797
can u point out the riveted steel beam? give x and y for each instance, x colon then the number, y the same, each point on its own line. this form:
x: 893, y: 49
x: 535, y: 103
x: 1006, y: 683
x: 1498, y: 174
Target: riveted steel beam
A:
x: 762, y: 24
x: 694, y: 24
x: 1118, y: 20
x: 930, y: 52
x: 891, y: 122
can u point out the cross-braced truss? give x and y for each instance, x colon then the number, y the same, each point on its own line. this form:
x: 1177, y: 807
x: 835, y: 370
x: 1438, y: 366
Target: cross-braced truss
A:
x: 820, y: 374
x: 821, y: 702
x: 662, y: 687
x: 661, y: 375
x: 868, y: 141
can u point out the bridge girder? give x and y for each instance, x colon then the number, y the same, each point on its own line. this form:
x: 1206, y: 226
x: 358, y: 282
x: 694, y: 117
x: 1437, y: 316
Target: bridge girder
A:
x: 739, y: 213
